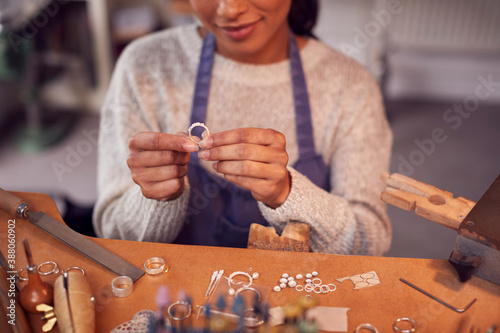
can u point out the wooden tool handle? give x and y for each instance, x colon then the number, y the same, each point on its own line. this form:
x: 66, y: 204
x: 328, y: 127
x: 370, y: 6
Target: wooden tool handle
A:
x: 74, y: 307
x: 10, y: 203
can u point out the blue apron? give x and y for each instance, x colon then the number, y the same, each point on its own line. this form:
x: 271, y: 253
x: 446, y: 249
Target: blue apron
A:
x: 220, y: 213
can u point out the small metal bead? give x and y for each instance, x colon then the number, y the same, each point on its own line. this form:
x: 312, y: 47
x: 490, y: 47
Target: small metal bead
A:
x: 292, y: 283
x: 308, y: 281
x: 309, y: 275
x: 291, y: 278
x: 282, y: 285
x: 299, y: 276
x: 283, y: 280
x: 285, y: 275
x: 276, y: 288
x: 315, y: 273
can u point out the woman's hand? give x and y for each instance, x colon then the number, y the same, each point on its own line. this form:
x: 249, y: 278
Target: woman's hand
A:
x: 158, y: 163
x: 252, y: 158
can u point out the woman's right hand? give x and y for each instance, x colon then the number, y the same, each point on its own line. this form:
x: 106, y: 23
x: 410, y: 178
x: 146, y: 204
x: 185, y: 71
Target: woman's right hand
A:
x: 158, y: 163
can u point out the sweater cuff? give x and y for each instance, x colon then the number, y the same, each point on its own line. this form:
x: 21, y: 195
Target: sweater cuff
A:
x: 283, y: 214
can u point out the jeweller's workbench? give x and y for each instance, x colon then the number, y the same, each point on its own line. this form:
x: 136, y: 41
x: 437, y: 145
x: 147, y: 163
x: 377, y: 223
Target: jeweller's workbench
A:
x: 380, y: 298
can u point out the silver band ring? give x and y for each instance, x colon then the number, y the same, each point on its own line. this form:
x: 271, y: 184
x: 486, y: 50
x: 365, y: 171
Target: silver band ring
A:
x: 334, y: 287
x: 179, y: 303
x: 54, y: 270
x: 247, y: 288
x: 122, y: 286
x: 197, y: 125
x: 317, y: 283
x: 154, y: 265
x: 319, y: 289
x: 19, y: 272
x: 299, y: 287
x: 74, y: 268
x: 308, y: 288
x: 327, y: 288
x: 231, y: 290
x: 412, y: 322
x: 366, y: 326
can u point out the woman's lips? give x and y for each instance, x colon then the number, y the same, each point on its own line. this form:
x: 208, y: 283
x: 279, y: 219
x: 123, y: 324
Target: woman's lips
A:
x: 239, y: 32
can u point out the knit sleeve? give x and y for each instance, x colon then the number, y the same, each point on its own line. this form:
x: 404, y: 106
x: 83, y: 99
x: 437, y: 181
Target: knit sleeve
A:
x: 121, y: 211
x: 351, y: 218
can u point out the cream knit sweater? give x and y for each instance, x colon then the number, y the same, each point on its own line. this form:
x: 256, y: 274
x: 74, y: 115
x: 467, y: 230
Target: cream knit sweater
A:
x: 151, y: 90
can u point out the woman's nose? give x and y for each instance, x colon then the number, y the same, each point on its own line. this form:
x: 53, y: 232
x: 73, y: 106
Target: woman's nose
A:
x: 231, y: 9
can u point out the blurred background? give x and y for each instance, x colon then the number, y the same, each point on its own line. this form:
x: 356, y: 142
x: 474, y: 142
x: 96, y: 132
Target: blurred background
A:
x: 437, y: 61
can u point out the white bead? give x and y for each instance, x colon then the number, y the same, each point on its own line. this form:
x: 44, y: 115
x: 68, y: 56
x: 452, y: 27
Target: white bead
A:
x: 282, y: 285
x: 290, y: 278
x: 283, y: 280
x: 309, y: 275
x: 308, y: 281
x: 277, y: 288
x: 315, y: 273
x: 285, y: 275
x: 299, y: 276
x: 255, y: 275
x: 292, y: 283
x: 231, y: 291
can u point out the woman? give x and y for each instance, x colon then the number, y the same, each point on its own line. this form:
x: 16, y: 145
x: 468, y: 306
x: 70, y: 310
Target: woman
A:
x: 298, y: 133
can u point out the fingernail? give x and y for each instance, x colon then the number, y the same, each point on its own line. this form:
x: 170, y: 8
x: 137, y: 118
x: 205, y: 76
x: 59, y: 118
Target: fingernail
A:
x: 190, y: 147
x: 215, y: 166
x: 204, y: 154
x: 207, y: 142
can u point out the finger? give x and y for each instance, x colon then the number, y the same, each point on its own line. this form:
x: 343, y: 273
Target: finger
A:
x: 251, y: 169
x: 165, y: 190
x: 260, y: 188
x: 258, y: 136
x: 158, y: 174
x: 251, y: 152
x: 161, y: 141
x: 148, y: 158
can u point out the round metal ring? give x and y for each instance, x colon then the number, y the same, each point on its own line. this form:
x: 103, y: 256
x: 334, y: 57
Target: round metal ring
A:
x: 231, y: 290
x: 247, y: 288
x: 314, y: 289
x: 412, y: 322
x: 308, y: 288
x: 19, y: 274
x: 54, y: 270
x: 318, y: 283
x: 197, y: 125
x: 334, y: 287
x: 299, y: 287
x: 366, y: 326
x: 74, y: 268
x: 122, y: 286
x: 327, y: 288
x: 179, y: 303
x: 154, y: 265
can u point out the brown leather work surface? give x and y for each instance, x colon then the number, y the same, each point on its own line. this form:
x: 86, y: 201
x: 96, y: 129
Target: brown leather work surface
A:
x: 191, y: 268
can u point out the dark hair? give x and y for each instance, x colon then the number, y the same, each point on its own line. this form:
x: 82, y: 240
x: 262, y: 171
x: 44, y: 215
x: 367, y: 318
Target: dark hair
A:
x: 303, y: 16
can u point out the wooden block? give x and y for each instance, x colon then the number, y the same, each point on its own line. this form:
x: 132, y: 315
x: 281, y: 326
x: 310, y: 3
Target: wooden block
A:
x: 426, y: 200
x: 295, y: 237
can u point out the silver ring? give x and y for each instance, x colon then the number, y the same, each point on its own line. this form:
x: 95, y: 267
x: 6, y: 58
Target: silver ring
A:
x: 366, y: 326
x: 122, y: 286
x: 242, y: 289
x: 19, y: 274
x: 412, y: 322
x: 299, y: 287
x: 197, y: 125
x: 182, y: 303
x: 74, y: 268
x: 54, y: 270
x: 327, y: 288
x: 317, y: 284
x: 154, y: 265
x: 308, y: 288
x: 314, y: 289
x: 334, y: 287
x: 231, y: 290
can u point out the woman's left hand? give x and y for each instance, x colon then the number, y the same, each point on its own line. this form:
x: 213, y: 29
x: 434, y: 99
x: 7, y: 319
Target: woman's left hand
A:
x: 252, y: 158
